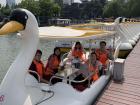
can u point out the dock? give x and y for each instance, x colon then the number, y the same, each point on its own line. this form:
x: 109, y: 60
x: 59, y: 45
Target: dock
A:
x: 127, y: 93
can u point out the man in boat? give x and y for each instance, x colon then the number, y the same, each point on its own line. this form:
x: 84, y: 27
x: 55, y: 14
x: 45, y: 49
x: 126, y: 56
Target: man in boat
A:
x: 38, y: 66
x: 52, y: 65
x: 104, y: 55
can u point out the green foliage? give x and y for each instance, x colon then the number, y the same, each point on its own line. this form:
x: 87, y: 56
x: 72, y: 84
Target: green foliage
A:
x: 46, y: 8
x: 113, y: 8
x: 56, y: 9
x: 94, y: 9
x: 133, y: 8
x: 87, y: 10
x: 5, y: 10
x: 31, y: 5
x: 41, y: 7
x: 117, y: 8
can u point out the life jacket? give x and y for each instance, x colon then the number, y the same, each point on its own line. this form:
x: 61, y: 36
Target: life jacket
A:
x: 102, y: 56
x: 79, y: 54
x: 52, y: 65
x: 94, y: 69
x: 39, y: 68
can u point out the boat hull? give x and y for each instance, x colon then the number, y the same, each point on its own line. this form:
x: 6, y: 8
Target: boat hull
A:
x: 65, y: 94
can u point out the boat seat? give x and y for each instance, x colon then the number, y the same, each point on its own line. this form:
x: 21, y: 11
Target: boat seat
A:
x: 31, y: 81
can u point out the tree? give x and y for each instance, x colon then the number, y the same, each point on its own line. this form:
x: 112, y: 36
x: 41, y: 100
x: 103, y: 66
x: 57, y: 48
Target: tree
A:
x: 59, y: 2
x: 49, y: 8
x: 92, y: 9
x: 56, y: 10
x: 114, y: 8
x: 31, y: 5
x: 133, y: 6
x: 41, y: 8
x: 5, y: 10
x: 103, y: 2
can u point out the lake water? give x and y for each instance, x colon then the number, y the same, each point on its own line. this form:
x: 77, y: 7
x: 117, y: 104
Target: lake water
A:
x: 10, y: 46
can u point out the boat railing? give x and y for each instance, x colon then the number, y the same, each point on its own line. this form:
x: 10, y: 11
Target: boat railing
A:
x: 110, y: 66
x: 116, y: 53
x: 72, y: 80
x: 34, y: 72
x: 64, y: 56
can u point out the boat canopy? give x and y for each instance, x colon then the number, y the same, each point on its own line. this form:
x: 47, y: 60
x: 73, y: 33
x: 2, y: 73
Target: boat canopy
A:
x: 67, y: 33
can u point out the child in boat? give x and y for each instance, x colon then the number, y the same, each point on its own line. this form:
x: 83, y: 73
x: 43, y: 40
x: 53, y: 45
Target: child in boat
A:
x: 104, y: 55
x: 38, y: 66
x: 94, y: 65
x: 52, y: 65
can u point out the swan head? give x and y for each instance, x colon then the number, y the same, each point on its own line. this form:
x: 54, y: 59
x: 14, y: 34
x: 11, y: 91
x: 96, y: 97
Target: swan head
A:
x: 118, y: 20
x: 19, y: 20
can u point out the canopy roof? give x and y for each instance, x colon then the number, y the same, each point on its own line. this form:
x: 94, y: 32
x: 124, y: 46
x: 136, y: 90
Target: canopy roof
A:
x: 65, y: 33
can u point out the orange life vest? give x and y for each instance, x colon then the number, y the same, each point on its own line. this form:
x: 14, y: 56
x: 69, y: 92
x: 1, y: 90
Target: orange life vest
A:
x: 102, y: 56
x: 94, y: 69
x: 52, y: 64
x: 79, y: 54
x: 39, y: 67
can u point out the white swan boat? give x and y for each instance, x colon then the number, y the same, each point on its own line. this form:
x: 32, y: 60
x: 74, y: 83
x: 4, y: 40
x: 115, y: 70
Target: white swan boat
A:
x: 20, y: 88
x: 126, y: 32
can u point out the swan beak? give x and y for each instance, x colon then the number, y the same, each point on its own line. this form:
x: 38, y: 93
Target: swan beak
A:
x: 11, y: 27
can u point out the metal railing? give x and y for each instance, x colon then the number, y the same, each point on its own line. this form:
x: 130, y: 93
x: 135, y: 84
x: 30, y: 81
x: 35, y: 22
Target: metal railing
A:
x: 34, y: 72
x: 72, y: 80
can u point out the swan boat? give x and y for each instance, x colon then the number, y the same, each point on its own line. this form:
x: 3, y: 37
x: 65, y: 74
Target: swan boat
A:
x: 20, y: 88
x: 126, y: 32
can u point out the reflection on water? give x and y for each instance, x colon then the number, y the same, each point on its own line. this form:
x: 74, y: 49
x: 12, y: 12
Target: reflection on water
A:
x: 10, y: 46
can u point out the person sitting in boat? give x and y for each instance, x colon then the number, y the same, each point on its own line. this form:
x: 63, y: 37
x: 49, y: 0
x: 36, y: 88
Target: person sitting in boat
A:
x: 53, y: 62
x: 38, y: 66
x: 104, y: 55
x: 94, y: 65
x: 77, y: 53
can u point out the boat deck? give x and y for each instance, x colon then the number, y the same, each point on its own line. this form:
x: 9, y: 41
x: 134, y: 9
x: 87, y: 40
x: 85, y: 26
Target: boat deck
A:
x: 127, y: 93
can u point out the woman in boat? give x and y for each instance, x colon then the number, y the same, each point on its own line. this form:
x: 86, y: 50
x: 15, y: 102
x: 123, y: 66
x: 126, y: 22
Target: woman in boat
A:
x: 76, y: 55
x: 38, y: 66
x: 94, y: 65
x: 104, y: 55
x: 53, y: 63
x: 77, y: 51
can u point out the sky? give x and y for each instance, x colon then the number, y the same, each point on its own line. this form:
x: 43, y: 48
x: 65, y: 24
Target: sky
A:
x: 4, y: 1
